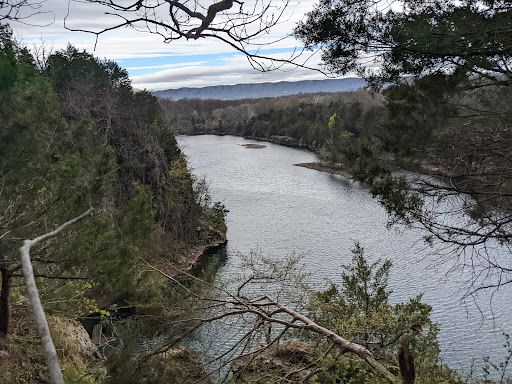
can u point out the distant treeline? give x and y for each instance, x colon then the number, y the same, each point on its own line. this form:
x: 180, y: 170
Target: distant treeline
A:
x: 305, y: 118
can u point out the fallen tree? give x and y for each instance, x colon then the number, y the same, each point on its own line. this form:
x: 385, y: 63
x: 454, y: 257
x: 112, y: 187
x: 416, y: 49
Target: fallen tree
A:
x: 252, y: 317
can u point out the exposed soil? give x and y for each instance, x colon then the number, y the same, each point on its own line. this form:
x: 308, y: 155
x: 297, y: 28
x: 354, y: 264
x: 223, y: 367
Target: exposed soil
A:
x: 334, y: 169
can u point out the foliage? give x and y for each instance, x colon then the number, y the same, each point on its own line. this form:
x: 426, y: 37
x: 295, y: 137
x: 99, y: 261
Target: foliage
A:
x: 462, y: 38
x: 73, y: 136
x: 492, y: 369
x: 8, y: 70
x: 359, y: 309
x: 303, y: 118
x: 444, y: 61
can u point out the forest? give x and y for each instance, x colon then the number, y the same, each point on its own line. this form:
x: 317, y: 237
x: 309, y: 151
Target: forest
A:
x: 77, y: 138
x: 76, y: 135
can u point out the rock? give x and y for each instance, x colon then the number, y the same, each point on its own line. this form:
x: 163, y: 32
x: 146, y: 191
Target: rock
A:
x: 177, y: 365
x: 72, y: 340
x: 276, y: 361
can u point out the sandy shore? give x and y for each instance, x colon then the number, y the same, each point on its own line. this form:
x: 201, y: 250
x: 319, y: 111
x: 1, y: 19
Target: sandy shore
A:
x: 336, y: 170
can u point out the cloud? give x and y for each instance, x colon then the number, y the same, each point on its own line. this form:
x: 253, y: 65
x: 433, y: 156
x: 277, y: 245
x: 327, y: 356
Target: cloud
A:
x: 236, y: 70
x: 178, y: 64
x: 85, y: 15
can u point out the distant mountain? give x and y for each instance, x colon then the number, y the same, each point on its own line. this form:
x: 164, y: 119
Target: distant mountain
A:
x: 243, y: 91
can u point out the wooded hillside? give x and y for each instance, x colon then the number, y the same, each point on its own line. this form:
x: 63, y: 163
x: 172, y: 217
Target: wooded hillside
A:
x: 76, y: 135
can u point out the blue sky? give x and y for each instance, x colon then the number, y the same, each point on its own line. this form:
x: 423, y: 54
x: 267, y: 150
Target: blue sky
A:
x: 155, y: 65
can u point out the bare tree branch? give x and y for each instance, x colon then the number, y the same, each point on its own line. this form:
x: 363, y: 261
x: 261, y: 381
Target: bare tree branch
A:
x: 235, y: 23
x: 20, y: 10
x: 255, y: 316
x: 42, y: 325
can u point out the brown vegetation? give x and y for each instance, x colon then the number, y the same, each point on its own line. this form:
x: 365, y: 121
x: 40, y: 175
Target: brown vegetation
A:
x: 253, y: 146
x: 328, y: 168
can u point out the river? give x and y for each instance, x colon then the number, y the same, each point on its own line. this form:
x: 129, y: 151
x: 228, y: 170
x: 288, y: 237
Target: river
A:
x: 280, y: 209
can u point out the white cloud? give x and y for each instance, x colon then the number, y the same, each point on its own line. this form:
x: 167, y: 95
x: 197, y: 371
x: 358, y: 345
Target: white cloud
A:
x: 127, y: 43
x: 178, y: 65
x: 236, y: 70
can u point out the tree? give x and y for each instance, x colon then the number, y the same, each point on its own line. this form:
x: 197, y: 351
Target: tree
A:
x: 42, y: 324
x: 207, y: 304
x: 359, y: 309
x: 449, y: 122
x: 236, y: 23
x: 44, y: 180
x: 61, y: 153
x: 357, y: 333
x: 461, y: 38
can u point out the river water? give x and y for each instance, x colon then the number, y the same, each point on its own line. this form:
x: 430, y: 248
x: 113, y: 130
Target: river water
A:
x: 279, y: 209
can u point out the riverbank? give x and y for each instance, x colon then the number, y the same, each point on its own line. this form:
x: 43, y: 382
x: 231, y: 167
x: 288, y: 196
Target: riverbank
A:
x: 287, y: 141
x: 190, y: 260
x: 333, y: 169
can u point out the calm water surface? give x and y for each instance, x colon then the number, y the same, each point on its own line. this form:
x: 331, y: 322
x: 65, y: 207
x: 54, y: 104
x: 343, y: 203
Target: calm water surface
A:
x: 280, y: 209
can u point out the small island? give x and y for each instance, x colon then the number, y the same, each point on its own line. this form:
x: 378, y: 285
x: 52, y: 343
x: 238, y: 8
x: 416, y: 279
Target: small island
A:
x: 253, y: 146
x: 329, y: 168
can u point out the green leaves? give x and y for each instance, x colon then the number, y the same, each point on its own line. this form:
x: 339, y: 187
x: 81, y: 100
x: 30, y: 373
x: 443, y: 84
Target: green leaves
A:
x: 364, y: 285
x: 8, y: 68
x: 461, y: 39
x: 359, y: 310
x: 139, y: 221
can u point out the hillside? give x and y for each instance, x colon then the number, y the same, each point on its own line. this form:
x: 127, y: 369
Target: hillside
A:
x: 243, y: 91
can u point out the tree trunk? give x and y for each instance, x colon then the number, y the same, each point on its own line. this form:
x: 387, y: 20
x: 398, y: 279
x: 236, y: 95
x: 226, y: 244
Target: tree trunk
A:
x: 50, y: 353
x: 5, y: 305
x: 406, y: 363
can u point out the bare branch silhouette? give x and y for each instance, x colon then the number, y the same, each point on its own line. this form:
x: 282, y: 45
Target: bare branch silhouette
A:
x: 235, y: 23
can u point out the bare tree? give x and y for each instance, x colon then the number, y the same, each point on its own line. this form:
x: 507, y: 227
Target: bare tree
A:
x: 19, y: 10
x: 259, y: 319
x: 238, y: 24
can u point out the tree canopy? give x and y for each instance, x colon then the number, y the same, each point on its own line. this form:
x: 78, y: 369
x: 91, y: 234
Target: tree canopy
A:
x: 73, y: 136
x: 385, y: 40
x: 448, y: 68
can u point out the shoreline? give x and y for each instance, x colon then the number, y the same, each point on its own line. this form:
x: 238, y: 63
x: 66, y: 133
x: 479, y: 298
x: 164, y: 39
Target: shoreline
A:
x: 283, y: 140
x: 253, y: 146
x: 197, y: 251
x: 335, y: 170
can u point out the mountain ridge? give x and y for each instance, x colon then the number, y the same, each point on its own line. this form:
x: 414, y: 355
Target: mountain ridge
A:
x: 259, y: 90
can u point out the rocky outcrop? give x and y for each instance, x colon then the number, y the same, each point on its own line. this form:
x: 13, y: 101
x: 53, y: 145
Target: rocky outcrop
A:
x: 72, y: 340
x: 292, y: 359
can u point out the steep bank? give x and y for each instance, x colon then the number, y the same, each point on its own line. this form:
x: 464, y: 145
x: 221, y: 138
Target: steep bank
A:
x: 113, y: 151
x: 191, y: 258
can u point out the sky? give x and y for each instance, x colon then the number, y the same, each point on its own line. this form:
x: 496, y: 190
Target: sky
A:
x: 155, y: 65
